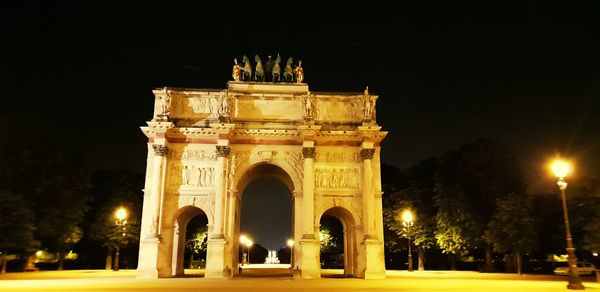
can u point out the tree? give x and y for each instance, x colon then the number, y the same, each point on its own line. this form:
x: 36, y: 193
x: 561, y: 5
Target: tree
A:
x: 512, y: 228
x: 414, y: 190
x: 112, y: 235
x: 111, y: 189
x: 16, y: 227
x: 196, y: 242
x: 53, y: 181
x: 468, y: 182
x: 327, y: 242
x: 421, y: 233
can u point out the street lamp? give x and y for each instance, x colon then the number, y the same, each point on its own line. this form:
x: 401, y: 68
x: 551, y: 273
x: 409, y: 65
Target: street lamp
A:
x: 290, y: 244
x: 121, y: 223
x: 561, y: 169
x: 407, y: 221
x: 247, y: 242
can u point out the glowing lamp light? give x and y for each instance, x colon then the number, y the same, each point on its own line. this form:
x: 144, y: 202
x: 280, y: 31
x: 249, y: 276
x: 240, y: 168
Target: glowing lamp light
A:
x: 243, y: 239
x: 121, y: 213
x: 249, y: 242
x: 560, y: 168
x: 290, y: 242
x: 407, y: 216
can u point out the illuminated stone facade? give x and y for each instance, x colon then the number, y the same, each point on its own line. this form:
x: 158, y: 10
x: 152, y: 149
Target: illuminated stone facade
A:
x: 206, y: 146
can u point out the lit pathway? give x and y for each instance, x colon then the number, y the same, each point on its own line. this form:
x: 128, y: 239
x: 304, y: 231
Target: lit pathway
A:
x: 260, y: 278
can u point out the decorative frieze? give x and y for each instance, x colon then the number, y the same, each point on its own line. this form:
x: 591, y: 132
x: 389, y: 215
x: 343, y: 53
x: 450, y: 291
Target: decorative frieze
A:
x: 308, y: 152
x: 160, y: 150
x: 367, y: 153
x: 337, y: 156
x: 337, y: 178
x: 193, y: 155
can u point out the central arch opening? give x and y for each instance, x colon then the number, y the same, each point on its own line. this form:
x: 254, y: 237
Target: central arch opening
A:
x: 265, y: 222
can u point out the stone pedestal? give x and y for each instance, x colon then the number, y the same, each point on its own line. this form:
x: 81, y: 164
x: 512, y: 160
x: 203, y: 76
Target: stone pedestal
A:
x: 375, y: 268
x: 215, y: 259
x: 148, y: 259
x: 311, y: 266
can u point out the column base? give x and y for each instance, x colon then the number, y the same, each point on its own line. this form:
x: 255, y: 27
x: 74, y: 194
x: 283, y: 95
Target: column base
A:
x: 215, y: 259
x: 375, y: 263
x: 148, y: 259
x: 310, y: 267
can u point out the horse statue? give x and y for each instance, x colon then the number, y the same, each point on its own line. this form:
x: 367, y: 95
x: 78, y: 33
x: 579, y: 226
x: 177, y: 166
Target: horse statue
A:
x: 276, y: 75
x: 259, y: 72
x: 288, y: 72
x: 247, y: 70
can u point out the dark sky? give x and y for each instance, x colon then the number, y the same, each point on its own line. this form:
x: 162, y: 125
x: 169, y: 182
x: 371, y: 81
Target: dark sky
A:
x: 526, y: 75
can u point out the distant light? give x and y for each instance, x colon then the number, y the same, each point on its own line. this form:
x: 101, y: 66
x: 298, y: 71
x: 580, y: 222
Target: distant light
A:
x: 249, y: 242
x: 243, y: 239
x: 290, y: 242
x: 560, y: 168
x: 407, y: 216
x: 121, y: 213
x: 595, y: 254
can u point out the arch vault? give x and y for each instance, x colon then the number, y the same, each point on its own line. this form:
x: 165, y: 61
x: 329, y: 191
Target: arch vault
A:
x: 205, y: 146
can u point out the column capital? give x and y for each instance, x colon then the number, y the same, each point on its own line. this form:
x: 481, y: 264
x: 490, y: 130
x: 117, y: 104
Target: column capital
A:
x: 160, y: 150
x: 223, y: 151
x: 367, y: 153
x: 308, y: 152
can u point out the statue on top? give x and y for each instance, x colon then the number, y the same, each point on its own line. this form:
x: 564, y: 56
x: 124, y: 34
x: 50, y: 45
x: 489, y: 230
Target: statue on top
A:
x: 259, y: 72
x: 276, y: 71
x: 237, y: 70
x: 288, y: 72
x: 299, y: 72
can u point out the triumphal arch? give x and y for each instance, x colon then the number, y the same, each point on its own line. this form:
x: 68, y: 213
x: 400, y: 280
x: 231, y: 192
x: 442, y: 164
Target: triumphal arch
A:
x: 206, y: 145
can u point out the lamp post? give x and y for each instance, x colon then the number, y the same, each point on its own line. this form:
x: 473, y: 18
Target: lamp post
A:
x: 407, y: 221
x: 561, y: 169
x: 290, y: 244
x: 243, y: 240
x: 121, y: 223
x: 249, y: 244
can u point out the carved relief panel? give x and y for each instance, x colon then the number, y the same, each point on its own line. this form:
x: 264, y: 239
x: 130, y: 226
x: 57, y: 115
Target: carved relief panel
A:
x: 337, y: 178
x: 339, y: 109
x: 195, y: 107
x: 191, y: 168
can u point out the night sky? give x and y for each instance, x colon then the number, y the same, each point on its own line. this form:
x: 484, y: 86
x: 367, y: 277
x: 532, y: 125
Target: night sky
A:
x: 526, y: 75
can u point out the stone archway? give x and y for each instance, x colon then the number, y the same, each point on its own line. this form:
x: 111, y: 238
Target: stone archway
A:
x: 205, y: 146
x: 183, y: 218
x: 351, y: 239
x: 256, y: 171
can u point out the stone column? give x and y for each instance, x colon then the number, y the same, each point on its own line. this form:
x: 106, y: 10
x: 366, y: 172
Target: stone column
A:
x: 220, y: 190
x: 215, y: 258
x: 160, y: 159
x: 309, y: 244
x: 367, y: 191
x: 147, y: 266
x: 374, y: 253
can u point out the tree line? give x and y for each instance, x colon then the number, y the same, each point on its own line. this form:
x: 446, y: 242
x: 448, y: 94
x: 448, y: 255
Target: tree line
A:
x: 50, y: 203
x: 472, y: 203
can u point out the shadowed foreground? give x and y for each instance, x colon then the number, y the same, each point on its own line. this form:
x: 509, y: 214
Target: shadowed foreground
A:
x: 279, y: 279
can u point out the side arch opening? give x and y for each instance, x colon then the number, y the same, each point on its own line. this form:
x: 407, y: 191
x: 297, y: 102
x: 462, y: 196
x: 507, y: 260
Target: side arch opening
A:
x: 190, y: 237
x: 338, y: 243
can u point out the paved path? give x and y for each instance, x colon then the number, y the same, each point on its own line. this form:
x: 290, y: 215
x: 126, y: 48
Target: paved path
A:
x: 278, y: 279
